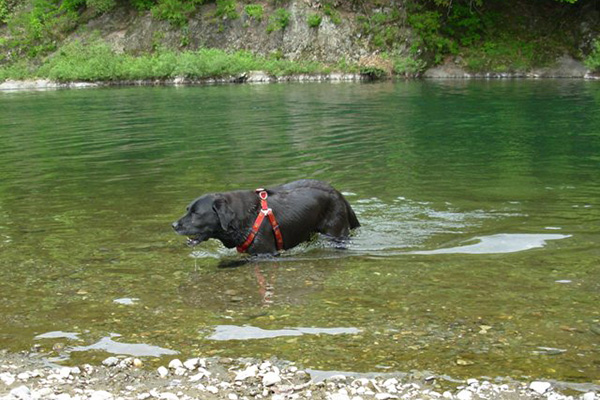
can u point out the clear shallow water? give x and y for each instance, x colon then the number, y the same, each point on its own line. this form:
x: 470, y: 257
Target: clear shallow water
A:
x: 479, y: 249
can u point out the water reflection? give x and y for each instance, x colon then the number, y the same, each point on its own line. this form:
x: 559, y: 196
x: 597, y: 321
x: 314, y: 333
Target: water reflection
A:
x: 500, y: 243
x: 108, y: 345
x: 254, y: 284
x: 58, y: 335
x: 247, y: 332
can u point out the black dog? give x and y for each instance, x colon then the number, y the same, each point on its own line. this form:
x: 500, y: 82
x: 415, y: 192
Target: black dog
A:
x: 302, y: 208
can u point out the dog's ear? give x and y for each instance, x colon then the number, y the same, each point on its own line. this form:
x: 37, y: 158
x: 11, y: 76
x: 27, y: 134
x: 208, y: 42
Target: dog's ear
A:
x: 224, y: 212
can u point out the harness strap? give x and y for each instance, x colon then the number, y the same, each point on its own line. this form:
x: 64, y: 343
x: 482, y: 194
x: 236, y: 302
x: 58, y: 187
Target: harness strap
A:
x: 264, y: 211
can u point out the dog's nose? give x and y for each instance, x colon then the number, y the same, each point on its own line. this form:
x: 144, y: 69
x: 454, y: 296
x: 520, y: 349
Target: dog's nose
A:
x: 175, y: 225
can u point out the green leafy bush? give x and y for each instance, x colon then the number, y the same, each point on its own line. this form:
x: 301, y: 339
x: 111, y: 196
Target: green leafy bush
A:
x: 279, y: 20
x: 227, y: 9
x: 332, y: 13
x: 408, y: 66
x: 254, y: 11
x: 3, y: 11
x: 314, y: 20
x: 101, y: 6
x: 593, y: 60
x: 82, y: 61
x: 174, y: 11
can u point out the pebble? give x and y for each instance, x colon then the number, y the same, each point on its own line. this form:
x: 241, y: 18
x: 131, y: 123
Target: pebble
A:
x: 7, y: 378
x: 191, y: 364
x: 249, y: 372
x: 101, y: 395
x: 21, y: 393
x: 464, y: 395
x: 175, y: 363
x: 540, y: 387
x: 385, y: 396
x: 589, y: 396
x: 162, y: 371
x: 212, y: 389
x: 110, y: 361
x: 271, y: 378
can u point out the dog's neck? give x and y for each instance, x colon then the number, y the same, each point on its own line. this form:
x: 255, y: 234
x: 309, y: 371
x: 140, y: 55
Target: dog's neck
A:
x: 246, y: 210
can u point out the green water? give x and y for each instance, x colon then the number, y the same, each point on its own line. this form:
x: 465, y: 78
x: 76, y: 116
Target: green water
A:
x: 479, y: 253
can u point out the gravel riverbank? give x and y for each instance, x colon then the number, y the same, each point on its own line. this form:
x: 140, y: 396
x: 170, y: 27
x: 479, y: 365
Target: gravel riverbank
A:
x: 28, y: 377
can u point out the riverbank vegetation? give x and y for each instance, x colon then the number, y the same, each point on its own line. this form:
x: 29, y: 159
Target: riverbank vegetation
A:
x: 36, y: 36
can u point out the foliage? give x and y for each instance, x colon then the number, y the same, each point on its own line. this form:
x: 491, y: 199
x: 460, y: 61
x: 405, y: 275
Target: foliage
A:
x: 254, y: 11
x: 82, y: 61
x: 101, y: 6
x: 279, y: 20
x: 408, y: 66
x: 384, y: 28
x: 314, y: 20
x: 96, y: 61
x: 593, y: 59
x: 3, y: 11
x: 176, y: 12
x: 227, y: 9
x: 430, y: 40
x: 332, y: 13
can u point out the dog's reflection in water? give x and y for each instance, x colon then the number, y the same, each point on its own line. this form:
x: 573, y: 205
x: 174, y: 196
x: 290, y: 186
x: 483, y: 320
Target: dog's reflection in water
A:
x: 265, y: 280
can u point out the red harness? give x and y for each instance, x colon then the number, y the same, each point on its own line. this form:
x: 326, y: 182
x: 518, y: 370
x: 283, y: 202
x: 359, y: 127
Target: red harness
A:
x: 264, y: 211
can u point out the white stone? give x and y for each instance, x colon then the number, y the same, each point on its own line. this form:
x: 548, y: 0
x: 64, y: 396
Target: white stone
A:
x: 43, y: 392
x: 464, y: 395
x: 472, y: 382
x: 337, y: 396
x: 233, y: 396
x: 337, y: 378
x: 64, y: 372
x: 271, y: 378
x: 191, y: 364
x: 7, y: 378
x: 390, y: 382
x: 110, y: 361
x: 212, y: 389
x: 249, y: 372
x: 447, y: 395
x: 540, y: 387
x: 168, y: 396
x: 23, y: 376
x: 180, y: 371
x: 589, y: 396
x: 197, y: 377
x: 63, y: 396
x: 265, y: 365
x: 21, y: 393
x: 175, y: 363
x: 162, y: 371
x: 143, y: 396
x: 101, y: 395
x: 385, y: 396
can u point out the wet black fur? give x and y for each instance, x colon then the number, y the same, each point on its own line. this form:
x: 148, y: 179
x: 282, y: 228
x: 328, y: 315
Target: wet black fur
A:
x: 302, y: 208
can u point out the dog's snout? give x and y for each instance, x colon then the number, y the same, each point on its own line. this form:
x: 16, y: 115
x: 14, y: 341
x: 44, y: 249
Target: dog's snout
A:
x: 175, y: 225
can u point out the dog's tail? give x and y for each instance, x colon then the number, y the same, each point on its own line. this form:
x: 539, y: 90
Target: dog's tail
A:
x: 352, y: 220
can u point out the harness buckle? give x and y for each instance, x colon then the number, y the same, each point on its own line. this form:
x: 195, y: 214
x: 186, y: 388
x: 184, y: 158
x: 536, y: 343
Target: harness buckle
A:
x: 262, y: 193
x: 266, y: 211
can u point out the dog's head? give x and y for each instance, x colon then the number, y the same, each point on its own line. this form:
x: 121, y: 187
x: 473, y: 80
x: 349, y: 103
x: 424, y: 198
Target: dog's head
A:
x: 206, y: 217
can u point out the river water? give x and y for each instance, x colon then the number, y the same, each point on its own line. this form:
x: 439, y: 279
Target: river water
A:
x: 478, y: 255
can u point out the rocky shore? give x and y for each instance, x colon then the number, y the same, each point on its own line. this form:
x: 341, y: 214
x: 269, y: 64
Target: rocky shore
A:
x: 30, y: 377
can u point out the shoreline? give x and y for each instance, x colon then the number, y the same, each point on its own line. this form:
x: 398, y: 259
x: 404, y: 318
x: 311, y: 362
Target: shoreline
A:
x: 260, y: 77
x: 29, y: 376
